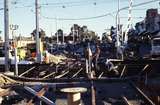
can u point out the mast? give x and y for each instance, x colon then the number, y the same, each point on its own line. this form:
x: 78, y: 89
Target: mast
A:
x: 129, y: 25
x: 13, y: 28
x: 73, y: 34
x: 118, y: 23
x: 56, y: 30
x: 38, y: 52
x: 6, y: 31
x: 118, y: 29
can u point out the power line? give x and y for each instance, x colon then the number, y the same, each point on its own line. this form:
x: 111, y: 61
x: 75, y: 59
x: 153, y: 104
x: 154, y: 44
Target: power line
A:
x: 25, y: 6
x: 87, y: 18
x: 140, y: 17
x: 67, y: 4
x: 75, y: 5
x: 140, y: 4
x: 100, y: 16
x: 75, y: 2
x: 16, y: 3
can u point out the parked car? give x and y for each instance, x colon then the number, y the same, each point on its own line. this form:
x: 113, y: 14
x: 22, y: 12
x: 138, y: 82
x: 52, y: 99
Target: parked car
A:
x: 11, y: 57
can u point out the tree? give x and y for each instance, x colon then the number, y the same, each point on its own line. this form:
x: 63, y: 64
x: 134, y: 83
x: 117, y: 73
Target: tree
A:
x: 82, y: 33
x: 60, y: 34
x: 42, y: 34
x: 75, y: 31
x: 106, y: 37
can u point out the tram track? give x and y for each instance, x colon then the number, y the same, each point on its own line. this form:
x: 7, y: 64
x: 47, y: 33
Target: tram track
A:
x: 142, y: 95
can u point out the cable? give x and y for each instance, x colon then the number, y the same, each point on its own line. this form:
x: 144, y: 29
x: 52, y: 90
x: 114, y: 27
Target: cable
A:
x: 77, y: 2
x: 134, y: 17
x: 67, y: 4
x: 100, y: 16
x: 77, y: 18
x: 23, y: 6
x: 18, y: 2
x: 75, y: 5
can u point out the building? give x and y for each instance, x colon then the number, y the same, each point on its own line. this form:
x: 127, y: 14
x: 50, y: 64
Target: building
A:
x: 140, y: 27
x: 151, y: 23
x: 24, y: 41
x: 152, y: 20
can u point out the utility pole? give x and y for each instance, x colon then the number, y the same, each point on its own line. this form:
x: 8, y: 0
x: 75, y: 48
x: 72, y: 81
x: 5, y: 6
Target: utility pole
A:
x: 14, y: 28
x: 73, y: 35
x: 56, y: 30
x: 38, y: 52
x: 118, y: 23
x: 6, y: 31
x: 129, y: 24
x: 78, y: 39
x: 119, y: 50
x: 63, y: 38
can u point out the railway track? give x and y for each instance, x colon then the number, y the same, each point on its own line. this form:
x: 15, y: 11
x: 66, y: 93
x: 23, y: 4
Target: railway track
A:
x: 138, y: 97
x: 141, y: 97
x: 75, y: 72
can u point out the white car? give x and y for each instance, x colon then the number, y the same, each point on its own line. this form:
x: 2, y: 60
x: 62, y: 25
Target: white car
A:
x: 25, y: 62
x: 11, y: 57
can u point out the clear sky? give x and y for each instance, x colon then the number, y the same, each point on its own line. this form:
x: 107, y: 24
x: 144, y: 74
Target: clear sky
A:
x: 22, y: 13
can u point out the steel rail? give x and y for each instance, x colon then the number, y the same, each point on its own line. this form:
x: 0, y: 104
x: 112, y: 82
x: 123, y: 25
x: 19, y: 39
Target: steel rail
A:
x: 77, y: 73
x: 43, y: 98
x: 144, y: 69
x: 122, y: 73
x: 100, y: 75
x: 62, y: 80
x: 61, y: 75
x: 126, y: 100
x: 146, y: 98
x: 27, y: 71
x: 49, y: 75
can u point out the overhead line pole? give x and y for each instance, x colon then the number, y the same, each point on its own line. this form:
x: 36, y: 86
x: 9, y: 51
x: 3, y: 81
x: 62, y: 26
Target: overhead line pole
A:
x: 6, y: 31
x: 56, y: 30
x: 38, y: 52
x: 129, y: 24
x: 117, y: 29
x: 14, y: 28
x: 73, y: 34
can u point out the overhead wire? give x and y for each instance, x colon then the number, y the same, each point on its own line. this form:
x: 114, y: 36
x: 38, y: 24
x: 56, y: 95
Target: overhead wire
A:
x: 74, y: 5
x: 64, y: 4
x: 73, y: 2
x: 100, y: 16
x: 83, y: 18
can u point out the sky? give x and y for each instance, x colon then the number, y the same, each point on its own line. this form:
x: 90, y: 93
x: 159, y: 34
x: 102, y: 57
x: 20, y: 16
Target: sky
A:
x: 22, y: 13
